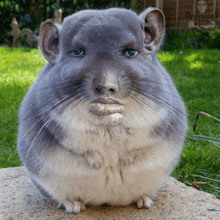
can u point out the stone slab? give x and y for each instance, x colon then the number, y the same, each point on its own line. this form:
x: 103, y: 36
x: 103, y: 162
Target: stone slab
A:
x: 20, y: 200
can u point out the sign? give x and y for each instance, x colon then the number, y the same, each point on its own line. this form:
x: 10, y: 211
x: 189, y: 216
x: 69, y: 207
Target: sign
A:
x: 204, y: 14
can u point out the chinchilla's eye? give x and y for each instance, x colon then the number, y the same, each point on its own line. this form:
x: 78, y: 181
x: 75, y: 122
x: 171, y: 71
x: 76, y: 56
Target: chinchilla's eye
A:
x: 130, y: 52
x: 77, y: 53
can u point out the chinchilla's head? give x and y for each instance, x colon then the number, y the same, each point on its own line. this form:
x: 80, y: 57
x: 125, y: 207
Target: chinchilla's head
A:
x: 102, y: 68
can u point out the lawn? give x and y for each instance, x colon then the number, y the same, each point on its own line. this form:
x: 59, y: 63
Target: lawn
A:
x: 196, y: 74
x: 18, y: 69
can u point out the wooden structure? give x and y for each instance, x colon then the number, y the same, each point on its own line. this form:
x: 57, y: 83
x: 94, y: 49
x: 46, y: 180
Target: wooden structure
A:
x: 58, y: 15
x: 183, y: 14
x: 15, y: 33
x: 30, y: 38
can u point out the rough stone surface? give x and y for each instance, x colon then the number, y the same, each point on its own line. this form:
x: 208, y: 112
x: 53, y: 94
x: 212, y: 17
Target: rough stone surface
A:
x: 20, y: 200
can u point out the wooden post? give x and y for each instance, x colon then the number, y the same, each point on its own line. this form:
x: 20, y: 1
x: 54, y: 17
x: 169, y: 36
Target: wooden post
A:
x: 133, y: 3
x: 16, y: 33
x: 194, y: 11
x: 214, y: 10
x: 145, y: 4
x: 177, y: 13
x: 58, y: 15
x: 159, y: 4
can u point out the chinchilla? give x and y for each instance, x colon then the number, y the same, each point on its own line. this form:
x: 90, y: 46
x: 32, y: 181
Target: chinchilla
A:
x: 103, y: 123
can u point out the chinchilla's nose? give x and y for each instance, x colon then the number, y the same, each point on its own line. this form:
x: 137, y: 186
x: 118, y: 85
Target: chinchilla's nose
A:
x: 106, y: 84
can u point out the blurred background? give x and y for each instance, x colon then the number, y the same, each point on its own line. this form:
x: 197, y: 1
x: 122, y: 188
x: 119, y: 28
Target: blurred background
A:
x: 31, y: 13
x: 189, y: 23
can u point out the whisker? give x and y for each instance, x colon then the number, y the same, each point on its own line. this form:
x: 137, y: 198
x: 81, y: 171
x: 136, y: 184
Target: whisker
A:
x: 139, y: 99
x: 156, y: 89
x: 44, y: 115
x: 65, y: 97
x: 143, y: 101
x: 168, y: 107
x: 161, y: 102
x: 150, y: 81
x: 37, y: 136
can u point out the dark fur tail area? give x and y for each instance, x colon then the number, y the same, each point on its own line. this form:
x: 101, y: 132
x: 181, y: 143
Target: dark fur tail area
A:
x: 43, y: 191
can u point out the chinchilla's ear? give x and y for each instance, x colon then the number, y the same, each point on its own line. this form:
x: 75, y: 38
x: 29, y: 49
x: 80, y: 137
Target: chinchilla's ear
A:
x: 49, y: 39
x: 153, y: 24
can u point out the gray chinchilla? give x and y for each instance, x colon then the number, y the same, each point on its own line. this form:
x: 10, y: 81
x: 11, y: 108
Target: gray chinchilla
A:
x: 103, y: 123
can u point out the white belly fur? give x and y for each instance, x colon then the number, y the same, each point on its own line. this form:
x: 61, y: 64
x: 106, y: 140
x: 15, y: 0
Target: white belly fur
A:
x: 66, y: 175
x: 69, y: 177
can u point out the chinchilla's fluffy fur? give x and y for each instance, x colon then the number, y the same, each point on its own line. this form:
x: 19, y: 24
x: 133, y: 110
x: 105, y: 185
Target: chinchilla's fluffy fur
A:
x: 103, y: 122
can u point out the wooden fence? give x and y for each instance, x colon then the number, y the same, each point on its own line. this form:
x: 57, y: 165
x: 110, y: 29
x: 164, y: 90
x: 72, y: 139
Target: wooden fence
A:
x: 183, y: 14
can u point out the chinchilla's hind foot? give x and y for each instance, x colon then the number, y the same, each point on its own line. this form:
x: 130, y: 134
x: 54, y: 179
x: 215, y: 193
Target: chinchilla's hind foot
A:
x: 72, y: 207
x: 144, y: 202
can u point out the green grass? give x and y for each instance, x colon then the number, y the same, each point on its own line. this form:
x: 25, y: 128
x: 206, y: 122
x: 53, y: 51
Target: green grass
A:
x: 18, y: 69
x: 195, y: 73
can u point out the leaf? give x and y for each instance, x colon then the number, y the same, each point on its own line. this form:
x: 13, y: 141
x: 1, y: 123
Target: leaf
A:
x: 207, y: 173
x: 207, y: 178
x: 215, y: 141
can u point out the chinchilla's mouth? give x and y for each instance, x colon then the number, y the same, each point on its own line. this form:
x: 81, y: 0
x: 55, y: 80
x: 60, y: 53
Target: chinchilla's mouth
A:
x: 106, y: 106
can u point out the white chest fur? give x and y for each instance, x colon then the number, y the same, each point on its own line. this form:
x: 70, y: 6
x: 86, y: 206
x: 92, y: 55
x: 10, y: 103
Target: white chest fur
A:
x: 133, y: 160
x: 109, y: 135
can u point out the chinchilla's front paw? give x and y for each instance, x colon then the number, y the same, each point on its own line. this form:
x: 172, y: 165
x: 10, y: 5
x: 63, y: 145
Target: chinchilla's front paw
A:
x: 94, y: 159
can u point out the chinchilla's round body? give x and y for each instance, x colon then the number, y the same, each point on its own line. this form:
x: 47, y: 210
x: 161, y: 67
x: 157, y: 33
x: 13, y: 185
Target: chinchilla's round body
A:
x: 103, y: 122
